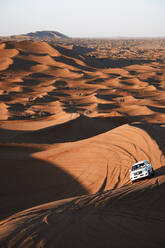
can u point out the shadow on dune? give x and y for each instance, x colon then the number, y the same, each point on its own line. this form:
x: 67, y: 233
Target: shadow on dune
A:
x: 160, y: 171
x: 81, y: 128
x: 155, y: 82
x: 74, y: 52
x: 5, y: 98
x: 21, y: 64
x: 119, y: 63
x: 70, y: 61
x: 108, y: 97
x: 40, y: 75
x: 157, y: 109
x: 26, y: 181
x: 155, y: 131
x: 29, y: 82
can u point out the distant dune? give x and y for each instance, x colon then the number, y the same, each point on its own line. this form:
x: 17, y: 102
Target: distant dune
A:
x: 39, y: 35
x: 74, y: 117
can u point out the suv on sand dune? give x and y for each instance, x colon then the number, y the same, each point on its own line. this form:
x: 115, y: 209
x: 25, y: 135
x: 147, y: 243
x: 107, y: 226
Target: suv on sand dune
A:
x: 140, y: 170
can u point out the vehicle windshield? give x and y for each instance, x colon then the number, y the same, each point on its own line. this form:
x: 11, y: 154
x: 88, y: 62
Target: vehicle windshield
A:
x: 137, y: 166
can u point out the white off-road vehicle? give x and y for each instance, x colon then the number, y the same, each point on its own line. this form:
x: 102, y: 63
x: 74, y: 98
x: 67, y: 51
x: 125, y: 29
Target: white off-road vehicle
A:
x: 140, y: 170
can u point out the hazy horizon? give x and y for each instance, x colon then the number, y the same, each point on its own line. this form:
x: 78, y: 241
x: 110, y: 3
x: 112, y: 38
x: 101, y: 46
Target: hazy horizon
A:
x: 87, y: 19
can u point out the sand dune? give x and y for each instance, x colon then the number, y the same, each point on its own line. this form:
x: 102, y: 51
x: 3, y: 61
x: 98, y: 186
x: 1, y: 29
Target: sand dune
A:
x: 3, y: 111
x: 70, y: 129
x: 36, y: 47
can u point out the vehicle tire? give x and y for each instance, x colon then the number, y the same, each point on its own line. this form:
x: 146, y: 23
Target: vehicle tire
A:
x: 151, y: 173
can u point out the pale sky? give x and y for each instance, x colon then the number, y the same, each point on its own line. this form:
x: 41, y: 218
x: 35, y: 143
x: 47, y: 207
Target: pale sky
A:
x: 84, y: 18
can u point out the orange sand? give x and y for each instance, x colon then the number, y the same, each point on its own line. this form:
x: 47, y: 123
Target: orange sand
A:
x: 69, y: 133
